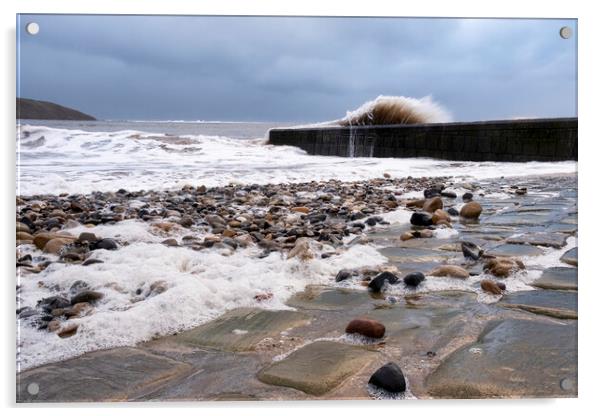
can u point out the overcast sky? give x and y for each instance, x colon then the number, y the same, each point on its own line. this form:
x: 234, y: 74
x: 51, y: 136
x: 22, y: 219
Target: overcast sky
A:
x: 295, y: 69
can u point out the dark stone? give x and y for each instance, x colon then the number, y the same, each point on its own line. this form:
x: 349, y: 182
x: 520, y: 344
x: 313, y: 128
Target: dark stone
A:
x: 89, y: 296
x: 104, y: 244
x: 414, y: 279
x: 377, y: 284
x: 432, y: 192
x: 390, y: 378
x: 467, y: 197
x: 421, y: 219
x: 449, y: 194
x: 453, y: 212
x: 54, y: 302
x: 342, y: 275
x: 87, y: 237
x: 91, y: 261
x: 371, y: 222
x: 26, y: 312
x: 471, y: 250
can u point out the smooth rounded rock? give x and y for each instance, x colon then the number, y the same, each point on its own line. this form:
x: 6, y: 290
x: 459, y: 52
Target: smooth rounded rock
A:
x: 450, y: 270
x: 366, y: 327
x: 414, y: 279
x: 378, y: 283
x: 491, y: 287
x: 422, y: 219
x: 471, y: 210
x: 390, y: 378
x: 433, y: 204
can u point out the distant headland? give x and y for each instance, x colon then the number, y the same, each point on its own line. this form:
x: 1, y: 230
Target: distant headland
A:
x: 44, y: 110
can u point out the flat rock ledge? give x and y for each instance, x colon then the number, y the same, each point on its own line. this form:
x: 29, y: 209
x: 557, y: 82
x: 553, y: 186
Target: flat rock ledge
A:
x: 511, y: 359
x: 121, y: 374
x: 241, y: 329
x: 318, y: 367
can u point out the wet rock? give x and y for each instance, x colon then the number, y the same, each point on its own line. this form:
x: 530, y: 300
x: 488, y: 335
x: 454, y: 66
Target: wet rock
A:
x: 433, y: 204
x: 453, y: 212
x: 26, y: 312
x: 301, y: 250
x: 54, y: 302
x: 570, y: 257
x: 419, y: 203
x: 55, y: 245
x: 117, y: 374
x: 503, y: 267
x: 540, y: 239
x: 89, y: 296
x: 511, y: 358
x: 186, y: 221
x: 511, y: 250
x: 378, y: 283
x: 414, y: 279
x: 555, y: 303
x: 421, y: 219
x: 104, y: 244
x: 440, y: 216
x: 432, y: 192
x: 21, y: 227
x: 41, y: 239
x: 53, y: 325
x: 67, y: 331
x: 471, y: 210
x: 170, y: 242
x: 471, y: 250
x: 390, y: 378
x: 256, y: 324
x: 78, y: 310
x: 450, y: 270
x: 262, y: 297
x: 449, y: 194
x: 366, y: 327
x: 557, y: 278
x: 22, y: 235
x: 342, y: 275
x: 87, y: 237
x: 521, y: 191
x: 317, y: 368
x: 491, y: 287
x: 91, y: 261
x: 467, y: 197
x: 371, y: 222
x: 501, y: 285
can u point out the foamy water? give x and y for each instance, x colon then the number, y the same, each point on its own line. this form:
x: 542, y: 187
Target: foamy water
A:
x: 57, y: 160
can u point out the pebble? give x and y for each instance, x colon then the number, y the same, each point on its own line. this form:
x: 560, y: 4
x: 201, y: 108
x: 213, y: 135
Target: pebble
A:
x: 421, y: 219
x: 89, y: 296
x: 491, y: 287
x: 389, y: 377
x: 378, y: 283
x: 366, y: 327
x: 433, y: 204
x: 450, y: 270
x: 503, y: 267
x: 105, y: 244
x: 414, y: 279
x: 342, y: 275
x: 471, y: 210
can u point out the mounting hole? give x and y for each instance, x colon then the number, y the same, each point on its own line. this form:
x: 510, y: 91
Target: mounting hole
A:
x: 32, y: 28
x: 33, y: 388
x: 566, y: 32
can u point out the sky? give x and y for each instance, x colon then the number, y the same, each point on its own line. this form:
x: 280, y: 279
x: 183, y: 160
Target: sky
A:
x: 295, y: 69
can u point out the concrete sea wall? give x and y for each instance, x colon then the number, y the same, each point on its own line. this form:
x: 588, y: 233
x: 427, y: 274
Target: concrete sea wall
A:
x: 502, y: 141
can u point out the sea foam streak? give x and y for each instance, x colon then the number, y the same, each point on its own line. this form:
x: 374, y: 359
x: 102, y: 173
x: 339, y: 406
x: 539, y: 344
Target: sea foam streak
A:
x: 201, y: 285
x: 52, y: 161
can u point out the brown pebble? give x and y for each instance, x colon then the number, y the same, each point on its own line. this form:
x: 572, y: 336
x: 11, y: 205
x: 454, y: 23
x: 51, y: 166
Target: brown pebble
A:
x: 366, y: 327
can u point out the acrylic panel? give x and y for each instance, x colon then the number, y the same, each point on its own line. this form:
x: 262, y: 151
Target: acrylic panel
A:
x: 295, y: 208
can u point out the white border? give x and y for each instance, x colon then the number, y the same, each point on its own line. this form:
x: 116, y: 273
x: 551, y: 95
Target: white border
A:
x: 590, y: 135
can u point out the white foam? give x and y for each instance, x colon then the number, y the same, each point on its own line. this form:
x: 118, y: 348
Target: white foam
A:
x: 200, y: 286
x: 77, y: 161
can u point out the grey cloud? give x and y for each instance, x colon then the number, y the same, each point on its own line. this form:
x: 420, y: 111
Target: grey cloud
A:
x: 296, y: 69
